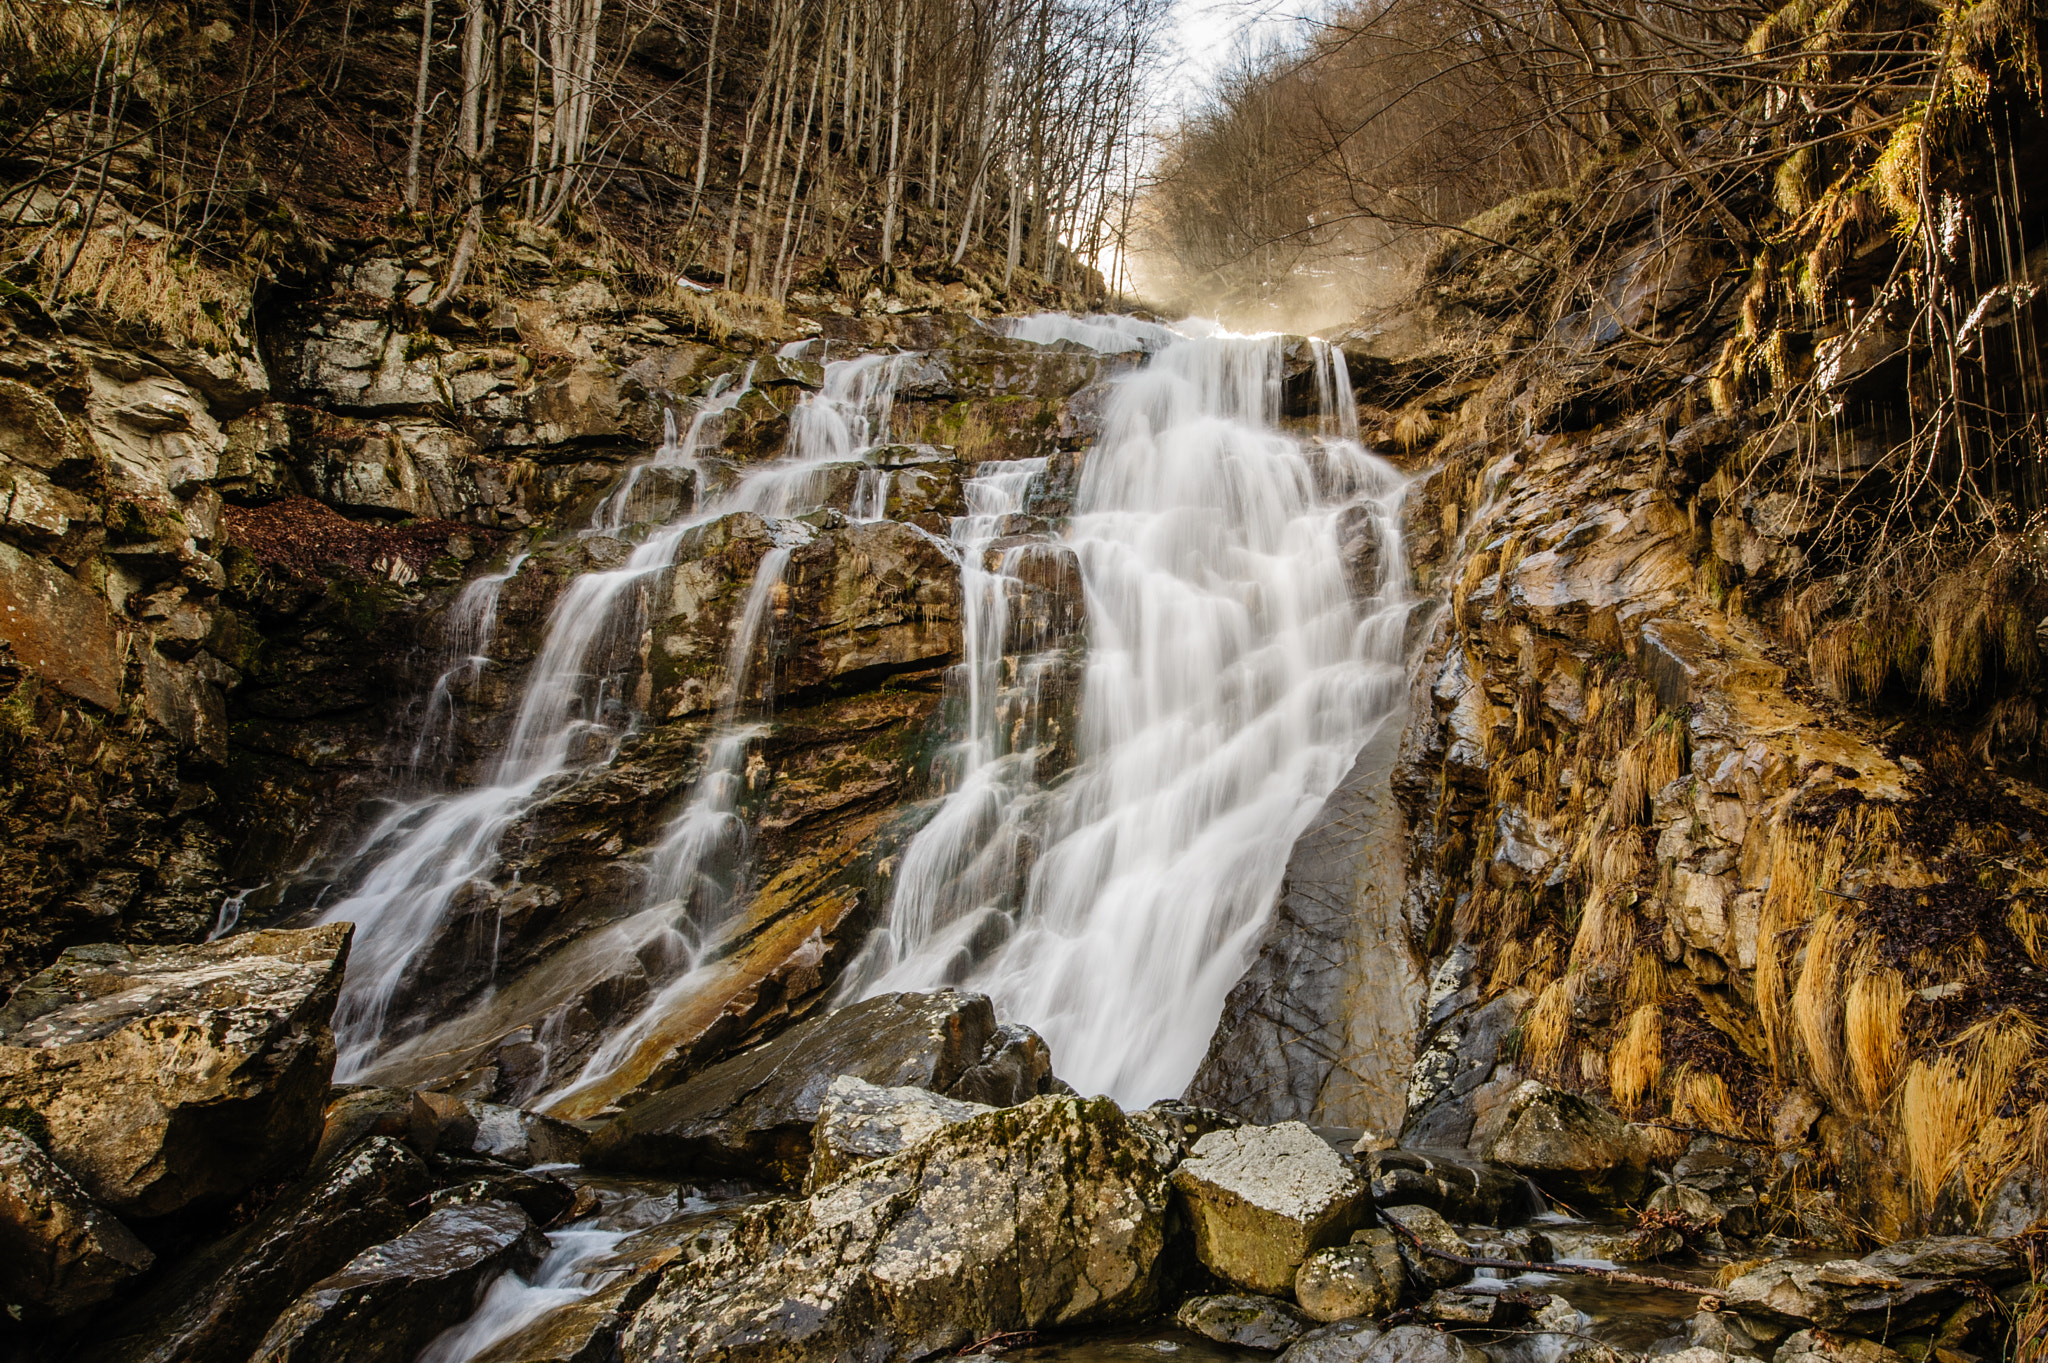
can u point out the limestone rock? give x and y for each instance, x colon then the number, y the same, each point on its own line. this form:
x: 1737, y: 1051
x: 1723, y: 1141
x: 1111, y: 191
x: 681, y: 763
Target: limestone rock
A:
x: 1172, y: 1128
x: 1363, y: 1278
x: 860, y: 1123
x: 1420, y: 1344
x: 58, y: 1252
x: 1246, y: 1322
x: 1723, y: 1332
x: 1899, y: 1288
x: 1047, y: 1214
x: 390, y: 1301
x: 1585, y: 1154
x: 1811, y: 1346
x: 1344, y: 1341
x: 218, y: 1302
x: 1429, y: 1226
x: 171, y: 1075
x: 755, y: 1114
x: 1262, y: 1199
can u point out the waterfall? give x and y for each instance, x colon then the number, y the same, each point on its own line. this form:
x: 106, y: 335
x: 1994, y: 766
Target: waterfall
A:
x: 466, y: 632
x: 1232, y: 672
x: 407, y: 873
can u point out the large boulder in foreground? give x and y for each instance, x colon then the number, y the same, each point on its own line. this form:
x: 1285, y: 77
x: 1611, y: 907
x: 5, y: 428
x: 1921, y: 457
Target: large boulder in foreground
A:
x: 1047, y: 1214
x: 753, y: 1115
x: 218, y: 1303
x: 58, y: 1252
x: 169, y: 1075
x: 1263, y: 1198
x: 390, y: 1301
x: 1581, y: 1153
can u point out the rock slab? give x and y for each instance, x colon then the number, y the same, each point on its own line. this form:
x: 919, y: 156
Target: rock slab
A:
x: 172, y: 1075
x: 1245, y: 1322
x: 1263, y: 1198
x: 1046, y: 1214
x: 389, y: 1302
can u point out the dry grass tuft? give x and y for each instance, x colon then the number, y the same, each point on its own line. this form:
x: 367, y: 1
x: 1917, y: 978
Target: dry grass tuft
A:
x: 1639, y: 1059
x: 1874, y: 1034
x: 1548, y: 1025
x: 148, y: 284
x: 1948, y: 1106
x: 1701, y: 1099
x: 1413, y: 425
x: 1645, y: 983
x: 1817, y: 1001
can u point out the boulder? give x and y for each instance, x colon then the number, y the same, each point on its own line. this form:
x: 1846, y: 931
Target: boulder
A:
x: 1463, y: 1189
x: 1421, y: 1344
x: 218, y: 1302
x: 1172, y: 1128
x: 59, y: 1252
x: 463, y: 1180
x: 860, y: 1123
x: 1454, y: 1306
x: 755, y: 1113
x: 170, y: 1075
x: 1245, y: 1322
x: 1426, y: 1225
x: 1723, y: 1332
x: 1363, y: 1278
x: 361, y: 1113
x: 1344, y: 1341
x: 1261, y: 1199
x: 1583, y: 1154
x: 390, y: 1301
x: 1025, y: 1218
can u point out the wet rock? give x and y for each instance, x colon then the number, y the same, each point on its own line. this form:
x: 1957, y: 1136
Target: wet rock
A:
x: 1262, y: 1199
x: 755, y: 1114
x: 860, y: 1123
x: 1015, y: 1065
x: 173, y: 1075
x: 1420, y: 1344
x: 1047, y: 1214
x: 1321, y: 1027
x: 1950, y: 1256
x: 390, y: 1301
x: 58, y: 1251
x: 1428, y: 1226
x: 1460, y: 1055
x: 1584, y: 1154
x: 1363, y: 1278
x: 219, y: 1302
x: 356, y: 1116
x: 2018, y: 1201
x: 463, y: 1181
x: 1344, y: 1341
x: 1246, y: 1322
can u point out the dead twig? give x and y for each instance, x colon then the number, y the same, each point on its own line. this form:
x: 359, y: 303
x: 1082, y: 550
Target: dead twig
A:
x: 1710, y: 1297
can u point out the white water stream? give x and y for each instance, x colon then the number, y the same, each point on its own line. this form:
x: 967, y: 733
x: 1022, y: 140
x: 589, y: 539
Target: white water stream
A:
x: 424, y: 852
x: 1230, y: 681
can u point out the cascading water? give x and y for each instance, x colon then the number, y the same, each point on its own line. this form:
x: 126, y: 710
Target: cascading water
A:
x: 1231, y: 677
x: 423, y: 853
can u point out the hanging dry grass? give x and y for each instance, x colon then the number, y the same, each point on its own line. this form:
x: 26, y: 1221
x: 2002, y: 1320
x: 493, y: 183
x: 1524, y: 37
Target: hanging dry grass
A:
x: 1701, y: 1099
x: 1639, y: 1059
x: 1548, y: 1025
x: 1645, y: 982
x: 1874, y: 1035
x: 146, y: 283
x: 1948, y: 1106
x: 1816, y: 1001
